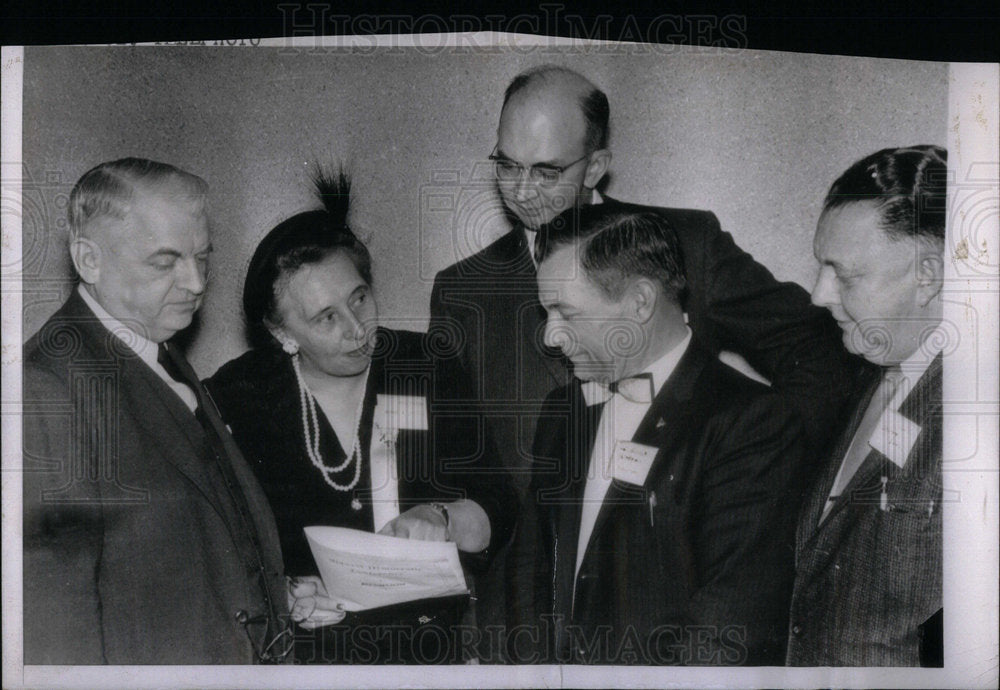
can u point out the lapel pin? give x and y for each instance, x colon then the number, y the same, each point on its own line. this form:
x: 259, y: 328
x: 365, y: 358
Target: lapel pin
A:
x: 661, y: 423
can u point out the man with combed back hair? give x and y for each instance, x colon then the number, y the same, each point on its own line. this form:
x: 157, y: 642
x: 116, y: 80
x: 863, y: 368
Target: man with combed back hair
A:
x: 869, y: 547
x: 665, y: 481
x: 147, y: 539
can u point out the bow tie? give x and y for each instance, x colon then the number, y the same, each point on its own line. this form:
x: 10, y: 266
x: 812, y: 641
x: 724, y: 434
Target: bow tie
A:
x: 637, y: 389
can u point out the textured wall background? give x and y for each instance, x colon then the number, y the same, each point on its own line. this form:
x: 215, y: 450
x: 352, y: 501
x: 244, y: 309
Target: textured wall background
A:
x: 756, y: 137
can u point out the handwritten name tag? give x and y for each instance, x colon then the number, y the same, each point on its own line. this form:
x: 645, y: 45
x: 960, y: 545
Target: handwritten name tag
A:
x: 402, y: 412
x: 631, y: 462
x: 894, y: 436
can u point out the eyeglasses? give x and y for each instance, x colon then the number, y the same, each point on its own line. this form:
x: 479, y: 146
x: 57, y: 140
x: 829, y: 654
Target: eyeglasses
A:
x: 541, y: 173
x: 276, y: 650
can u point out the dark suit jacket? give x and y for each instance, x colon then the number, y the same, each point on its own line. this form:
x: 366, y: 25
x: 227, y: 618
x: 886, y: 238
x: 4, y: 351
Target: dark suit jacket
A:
x: 258, y: 397
x: 693, y: 567
x: 867, y: 579
x: 135, y: 551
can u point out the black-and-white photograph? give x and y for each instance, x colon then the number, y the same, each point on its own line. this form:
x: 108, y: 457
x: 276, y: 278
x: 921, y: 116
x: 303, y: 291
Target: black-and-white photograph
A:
x: 525, y: 360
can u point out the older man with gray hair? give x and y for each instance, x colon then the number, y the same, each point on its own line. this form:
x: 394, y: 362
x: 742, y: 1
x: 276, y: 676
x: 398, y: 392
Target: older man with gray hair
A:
x: 147, y: 539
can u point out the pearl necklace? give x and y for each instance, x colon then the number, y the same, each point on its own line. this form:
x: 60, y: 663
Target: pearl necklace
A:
x: 308, y: 406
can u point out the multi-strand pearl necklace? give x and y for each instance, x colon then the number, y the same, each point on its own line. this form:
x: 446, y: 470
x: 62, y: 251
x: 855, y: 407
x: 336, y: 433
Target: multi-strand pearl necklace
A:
x: 310, y: 432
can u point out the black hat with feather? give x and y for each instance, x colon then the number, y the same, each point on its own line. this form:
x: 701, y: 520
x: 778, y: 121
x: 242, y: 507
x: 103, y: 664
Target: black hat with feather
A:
x: 305, y: 238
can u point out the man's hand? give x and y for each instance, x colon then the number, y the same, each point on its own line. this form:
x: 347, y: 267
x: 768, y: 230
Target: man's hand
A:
x: 309, y: 604
x: 421, y: 522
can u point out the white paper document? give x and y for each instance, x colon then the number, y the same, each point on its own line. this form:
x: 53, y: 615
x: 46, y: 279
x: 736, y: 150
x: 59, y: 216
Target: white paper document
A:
x: 366, y: 570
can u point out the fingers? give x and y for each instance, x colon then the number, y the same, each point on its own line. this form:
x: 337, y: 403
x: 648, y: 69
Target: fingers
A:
x: 302, y: 608
x: 300, y: 587
x: 421, y: 522
x: 309, y: 604
x: 306, y: 586
x: 427, y: 531
x: 425, y: 525
x: 316, y: 612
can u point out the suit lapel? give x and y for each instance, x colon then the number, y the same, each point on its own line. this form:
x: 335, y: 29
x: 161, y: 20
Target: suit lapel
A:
x: 246, y: 498
x: 867, y: 384
x: 924, y: 401
x: 152, y: 406
x: 146, y: 399
x: 531, y: 320
x: 155, y: 406
x: 875, y: 462
x: 565, y: 492
x: 864, y: 482
x: 166, y: 427
x: 533, y: 326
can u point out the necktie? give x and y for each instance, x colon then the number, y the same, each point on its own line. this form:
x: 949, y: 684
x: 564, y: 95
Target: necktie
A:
x: 174, y: 363
x: 637, y: 389
x: 859, y: 447
x: 165, y: 359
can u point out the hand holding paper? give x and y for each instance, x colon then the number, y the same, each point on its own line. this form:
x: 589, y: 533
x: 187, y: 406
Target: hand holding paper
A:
x: 310, y: 605
x: 364, y: 570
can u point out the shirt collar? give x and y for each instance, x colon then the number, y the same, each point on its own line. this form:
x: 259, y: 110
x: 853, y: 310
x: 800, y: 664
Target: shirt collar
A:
x: 913, y: 368
x: 144, y: 348
x: 595, y: 392
x: 662, y: 368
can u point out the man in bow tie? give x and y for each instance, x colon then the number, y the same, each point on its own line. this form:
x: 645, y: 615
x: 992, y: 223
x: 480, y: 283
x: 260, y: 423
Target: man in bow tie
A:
x: 147, y: 539
x: 665, y: 482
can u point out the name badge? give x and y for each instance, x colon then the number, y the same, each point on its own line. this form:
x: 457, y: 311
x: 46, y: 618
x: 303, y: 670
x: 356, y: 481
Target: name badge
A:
x: 402, y: 412
x: 631, y: 462
x: 894, y: 437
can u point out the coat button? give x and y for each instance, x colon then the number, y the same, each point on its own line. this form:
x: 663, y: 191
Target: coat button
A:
x: 797, y: 629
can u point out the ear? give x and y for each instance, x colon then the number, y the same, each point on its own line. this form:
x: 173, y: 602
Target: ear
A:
x: 288, y: 343
x: 600, y: 161
x: 86, y: 256
x: 930, y: 275
x: 644, y: 296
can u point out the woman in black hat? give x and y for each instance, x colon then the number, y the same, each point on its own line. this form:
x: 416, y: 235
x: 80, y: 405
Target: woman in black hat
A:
x: 347, y: 424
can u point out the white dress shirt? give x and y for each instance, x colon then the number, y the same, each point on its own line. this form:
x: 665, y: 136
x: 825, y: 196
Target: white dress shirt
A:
x: 384, y: 466
x: 619, y: 421
x: 144, y: 348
